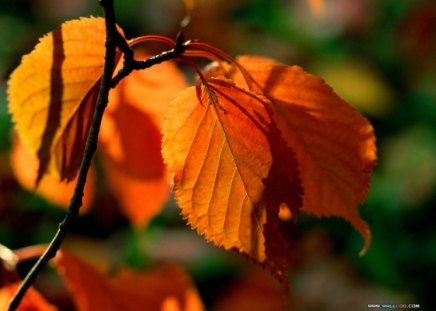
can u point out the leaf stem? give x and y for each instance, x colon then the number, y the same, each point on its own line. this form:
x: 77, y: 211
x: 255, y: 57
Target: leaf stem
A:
x: 131, y: 64
x: 168, y: 41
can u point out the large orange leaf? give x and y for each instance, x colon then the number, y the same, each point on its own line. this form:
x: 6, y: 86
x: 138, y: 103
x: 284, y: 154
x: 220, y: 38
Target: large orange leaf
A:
x: 334, y: 143
x: 25, y: 168
x: 165, y: 288
x: 32, y: 301
x: 52, y: 94
x: 130, y: 140
x: 232, y: 170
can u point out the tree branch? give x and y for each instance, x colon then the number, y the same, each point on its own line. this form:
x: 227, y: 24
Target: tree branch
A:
x: 90, y: 148
x: 113, y: 40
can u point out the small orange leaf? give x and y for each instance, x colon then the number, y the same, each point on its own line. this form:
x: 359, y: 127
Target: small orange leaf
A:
x: 334, y: 143
x: 130, y: 140
x: 25, y: 167
x: 52, y: 94
x: 32, y: 301
x: 164, y: 288
x: 232, y: 170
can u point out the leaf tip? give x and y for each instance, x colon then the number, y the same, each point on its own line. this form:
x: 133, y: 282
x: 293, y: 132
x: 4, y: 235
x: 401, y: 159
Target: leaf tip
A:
x: 366, y: 233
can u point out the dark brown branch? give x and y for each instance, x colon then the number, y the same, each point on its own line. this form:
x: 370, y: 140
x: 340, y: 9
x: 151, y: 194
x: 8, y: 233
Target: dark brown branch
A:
x: 113, y: 40
x: 90, y: 148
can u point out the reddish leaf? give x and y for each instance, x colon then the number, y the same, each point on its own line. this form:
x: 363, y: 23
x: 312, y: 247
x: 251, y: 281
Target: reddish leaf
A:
x: 25, y: 168
x: 32, y: 301
x: 130, y: 140
x: 232, y: 170
x: 52, y: 94
x: 165, y: 288
x: 334, y: 144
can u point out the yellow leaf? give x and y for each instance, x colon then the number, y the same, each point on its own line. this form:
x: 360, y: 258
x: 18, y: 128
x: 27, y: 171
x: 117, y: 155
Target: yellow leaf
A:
x: 52, y: 94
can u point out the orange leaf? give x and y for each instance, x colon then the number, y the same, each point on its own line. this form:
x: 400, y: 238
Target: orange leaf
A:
x: 32, y: 301
x: 52, y: 94
x: 25, y: 168
x: 334, y: 143
x: 232, y: 170
x: 130, y: 140
x: 165, y: 288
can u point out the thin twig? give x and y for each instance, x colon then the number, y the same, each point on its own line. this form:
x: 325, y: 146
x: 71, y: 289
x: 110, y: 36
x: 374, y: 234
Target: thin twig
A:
x: 131, y: 64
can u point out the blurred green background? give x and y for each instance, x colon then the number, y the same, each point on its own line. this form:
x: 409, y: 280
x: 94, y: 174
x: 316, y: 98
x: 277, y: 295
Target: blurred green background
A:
x: 378, y: 55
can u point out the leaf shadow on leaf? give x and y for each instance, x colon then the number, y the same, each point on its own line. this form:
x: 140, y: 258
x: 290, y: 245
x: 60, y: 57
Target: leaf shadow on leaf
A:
x: 55, y: 104
x: 140, y: 142
x: 130, y: 151
x: 281, y: 186
x: 70, y: 148
x: 357, y: 158
x: 274, y: 78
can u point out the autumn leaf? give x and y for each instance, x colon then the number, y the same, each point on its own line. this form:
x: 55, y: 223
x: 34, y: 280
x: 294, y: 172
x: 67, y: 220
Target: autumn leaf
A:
x: 130, y: 140
x: 165, y: 288
x: 57, y: 127
x: 334, y: 143
x: 25, y: 167
x: 32, y: 301
x: 232, y: 170
x: 52, y: 94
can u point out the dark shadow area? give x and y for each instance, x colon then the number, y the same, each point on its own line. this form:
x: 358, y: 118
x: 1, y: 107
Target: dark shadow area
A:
x: 54, y: 106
